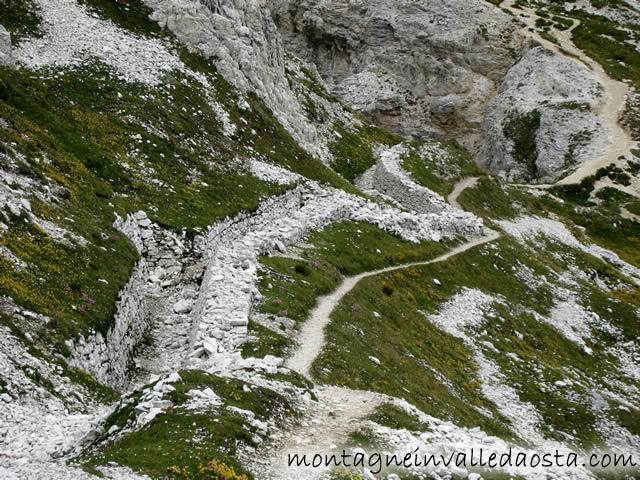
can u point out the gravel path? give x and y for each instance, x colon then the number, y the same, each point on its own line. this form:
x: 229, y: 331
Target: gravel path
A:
x: 614, y: 91
x: 312, y: 339
x: 326, y: 427
x: 459, y: 187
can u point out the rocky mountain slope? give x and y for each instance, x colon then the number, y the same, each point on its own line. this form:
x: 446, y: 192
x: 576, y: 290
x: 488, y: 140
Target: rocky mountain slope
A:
x: 420, y: 69
x: 234, y: 230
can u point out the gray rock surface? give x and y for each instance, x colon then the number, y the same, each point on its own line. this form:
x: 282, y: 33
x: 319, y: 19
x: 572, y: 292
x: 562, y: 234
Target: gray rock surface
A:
x: 390, y: 179
x: 243, y: 42
x: 566, y: 95
x: 5, y: 47
x: 417, y: 68
x: 109, y: 359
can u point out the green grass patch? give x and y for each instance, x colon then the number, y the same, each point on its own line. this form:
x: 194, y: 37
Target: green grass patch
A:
x: 356, y: 247
x: 562, y: 23
x: 491, y: 199
x: 293, y: 291
x: 186, y: 439
x: 267, y: 342
x: 353, y: 150
x: 631, y: 115
x: 633, y: 207
x: 63, y: 281
x: 522, y: 130
x: 21, y: 18
x: 311, y: 82
x: 391, y: 416
x: 549, y: 37
x: 601, y: 39
x: 292, y: 377
x: 579, y: 193
x: 545, y: 356
x: 577, y: 139
x: 612, y: 196
x: 613, y: 232
x: 633, y: 167
x: 102, y: 155
x: 440, y: 167
x: 132, y: 15
x: 290, y: 287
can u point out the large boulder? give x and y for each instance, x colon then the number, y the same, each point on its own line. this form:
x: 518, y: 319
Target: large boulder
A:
x: 542, y: 121
x: 417, y: 68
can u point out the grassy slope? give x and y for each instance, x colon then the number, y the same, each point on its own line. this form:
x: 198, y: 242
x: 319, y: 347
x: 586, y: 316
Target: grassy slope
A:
x: 353, y: 149
x: 602, y: 224
x: 441, y: 170
x: 86, y: 131
x: 409, y: 342
x: 20, y: 18
x: 344, y: 248
x: 603, y: 41
x: 186, y: 439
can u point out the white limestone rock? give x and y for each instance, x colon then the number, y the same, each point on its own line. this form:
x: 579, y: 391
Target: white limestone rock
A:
x: 565, y: 94
x: 242, y: 40
x: 416, y: 68
x: 182, y: 306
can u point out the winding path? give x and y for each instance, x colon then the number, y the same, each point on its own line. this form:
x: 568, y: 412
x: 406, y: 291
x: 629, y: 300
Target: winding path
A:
x: 614, y: 97
x: 462, y: 185
x: 312, y: 339
x: 339, y: 411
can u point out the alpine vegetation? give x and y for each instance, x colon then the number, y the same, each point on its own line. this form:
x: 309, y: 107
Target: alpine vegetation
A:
x: 319, y: 239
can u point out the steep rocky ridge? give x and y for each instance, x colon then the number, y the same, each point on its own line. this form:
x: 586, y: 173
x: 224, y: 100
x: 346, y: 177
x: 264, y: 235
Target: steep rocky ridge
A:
x: 244, y: 44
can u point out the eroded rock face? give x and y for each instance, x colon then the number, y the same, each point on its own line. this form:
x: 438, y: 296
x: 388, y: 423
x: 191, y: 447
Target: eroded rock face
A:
x: 5, y: 47
x: 542, y: 122
x: 417, y: 68
x: 245, y: 45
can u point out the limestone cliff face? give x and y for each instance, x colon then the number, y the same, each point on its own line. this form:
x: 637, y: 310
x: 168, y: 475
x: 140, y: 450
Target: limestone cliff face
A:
x: 425, y: 69
x: 418, y: 68
x: 542, y: 121
x: 245, y: 45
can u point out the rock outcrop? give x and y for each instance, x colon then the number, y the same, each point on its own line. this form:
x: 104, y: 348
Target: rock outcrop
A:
x: 419, y: 69
x: 5, y: 47
x: 542, y: 121
x: 243, y: 42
